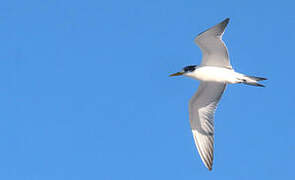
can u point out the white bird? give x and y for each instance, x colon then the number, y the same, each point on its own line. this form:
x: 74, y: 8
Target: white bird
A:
x: 214, y: 73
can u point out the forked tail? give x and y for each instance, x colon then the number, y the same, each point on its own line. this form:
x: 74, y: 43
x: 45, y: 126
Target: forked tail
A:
x: 253, y: 80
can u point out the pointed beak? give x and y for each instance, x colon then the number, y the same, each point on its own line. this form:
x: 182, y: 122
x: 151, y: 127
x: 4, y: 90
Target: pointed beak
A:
x: 176, y: 74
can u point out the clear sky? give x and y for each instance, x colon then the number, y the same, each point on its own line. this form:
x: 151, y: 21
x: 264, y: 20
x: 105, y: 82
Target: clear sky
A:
x: 85, y: 92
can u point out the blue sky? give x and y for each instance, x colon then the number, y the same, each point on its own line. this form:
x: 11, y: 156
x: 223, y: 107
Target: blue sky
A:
x: 85, y: 93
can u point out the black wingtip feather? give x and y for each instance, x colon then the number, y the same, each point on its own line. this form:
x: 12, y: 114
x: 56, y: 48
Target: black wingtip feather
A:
x: 227, y: 20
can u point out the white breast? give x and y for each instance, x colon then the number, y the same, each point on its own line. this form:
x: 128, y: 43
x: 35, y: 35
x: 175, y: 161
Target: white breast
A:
x: 215, y: 74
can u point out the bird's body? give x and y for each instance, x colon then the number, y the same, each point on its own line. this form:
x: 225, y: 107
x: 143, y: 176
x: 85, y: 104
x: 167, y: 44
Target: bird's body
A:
x: 215, y: 72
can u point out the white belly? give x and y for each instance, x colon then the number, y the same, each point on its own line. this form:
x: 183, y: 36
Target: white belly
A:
x: 215, y: 74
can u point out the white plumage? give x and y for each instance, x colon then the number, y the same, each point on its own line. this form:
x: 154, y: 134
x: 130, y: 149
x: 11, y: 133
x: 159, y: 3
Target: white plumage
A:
x: 214, y: 73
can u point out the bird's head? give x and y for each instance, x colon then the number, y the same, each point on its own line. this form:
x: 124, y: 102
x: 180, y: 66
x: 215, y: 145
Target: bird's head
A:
x: 186, y: 71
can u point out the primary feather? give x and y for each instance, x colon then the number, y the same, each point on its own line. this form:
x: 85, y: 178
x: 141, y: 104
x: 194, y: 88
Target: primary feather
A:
x: 201, y: 114
x: 213, y: 48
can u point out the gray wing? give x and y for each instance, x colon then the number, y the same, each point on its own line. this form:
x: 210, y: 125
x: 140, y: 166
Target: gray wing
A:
x: 201, y: 114
x: 213, y: 48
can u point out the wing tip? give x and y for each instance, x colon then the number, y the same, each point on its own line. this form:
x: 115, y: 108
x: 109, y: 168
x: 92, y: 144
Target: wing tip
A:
x: 207, y: 159
x: 225, y: 22
x: 210, y: 168
x: 209, y: 164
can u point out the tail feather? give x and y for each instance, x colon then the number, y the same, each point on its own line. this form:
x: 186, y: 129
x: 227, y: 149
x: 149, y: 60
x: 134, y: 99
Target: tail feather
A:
x: 257, y: 78
x: 252, y: 80
x: 254, y: 84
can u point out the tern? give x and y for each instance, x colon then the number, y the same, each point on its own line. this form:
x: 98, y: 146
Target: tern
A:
x: 214, y: 73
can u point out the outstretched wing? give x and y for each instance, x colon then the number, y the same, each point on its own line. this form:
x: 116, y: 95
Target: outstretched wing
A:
x: 213, y: 48
x: 201, y: 114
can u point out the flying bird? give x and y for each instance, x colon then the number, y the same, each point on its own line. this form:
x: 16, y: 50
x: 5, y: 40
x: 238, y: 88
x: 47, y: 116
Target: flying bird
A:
x: 214, y: 73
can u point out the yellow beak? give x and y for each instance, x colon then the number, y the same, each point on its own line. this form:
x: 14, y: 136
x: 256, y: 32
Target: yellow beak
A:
x: 176, y: 74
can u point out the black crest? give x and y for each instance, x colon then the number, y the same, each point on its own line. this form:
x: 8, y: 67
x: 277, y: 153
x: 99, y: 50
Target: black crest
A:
x: 189, y: 68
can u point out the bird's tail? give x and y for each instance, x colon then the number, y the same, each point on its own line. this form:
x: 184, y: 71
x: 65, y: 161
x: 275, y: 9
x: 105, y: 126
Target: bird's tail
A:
x: 253, y: 80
